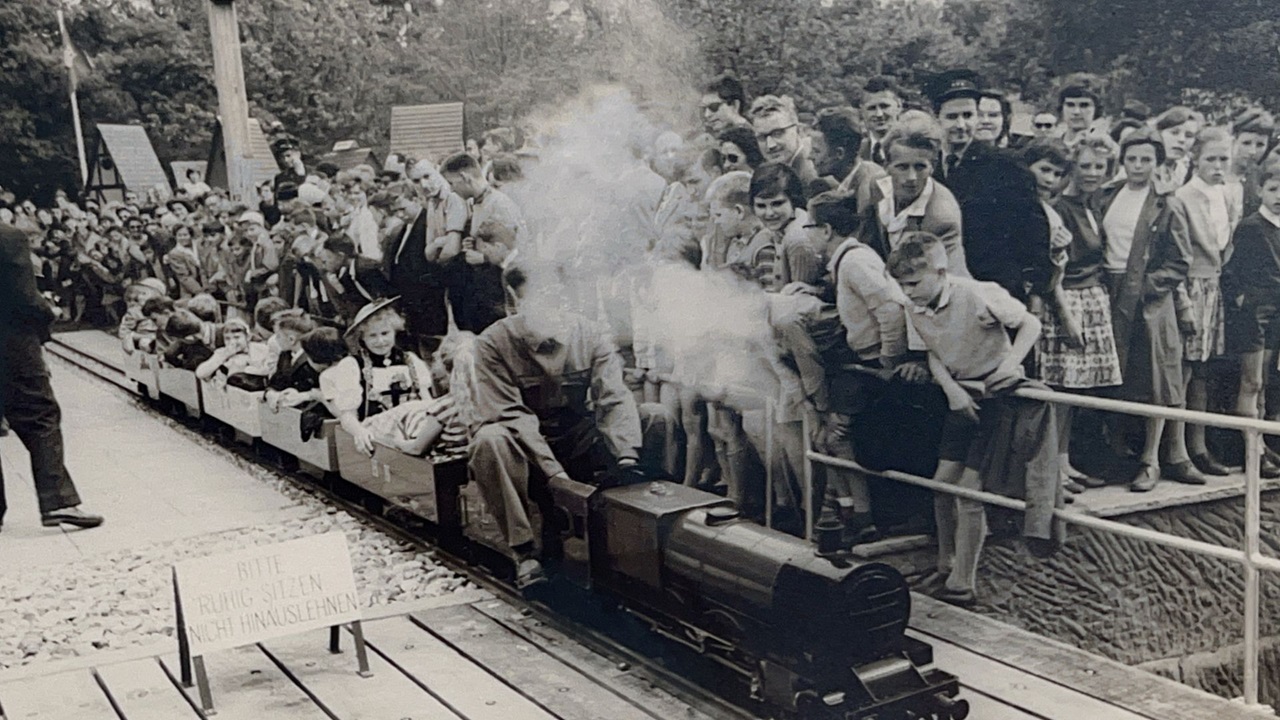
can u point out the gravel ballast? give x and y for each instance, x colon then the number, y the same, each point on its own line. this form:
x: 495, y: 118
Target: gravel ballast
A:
x: 124, y: 599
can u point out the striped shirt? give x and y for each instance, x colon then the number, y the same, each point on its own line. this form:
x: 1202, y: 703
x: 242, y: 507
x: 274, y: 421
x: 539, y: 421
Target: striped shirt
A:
x: 453, y: 437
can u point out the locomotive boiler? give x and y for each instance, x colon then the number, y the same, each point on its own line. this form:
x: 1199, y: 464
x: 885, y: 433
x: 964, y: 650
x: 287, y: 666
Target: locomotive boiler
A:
x: 813, y: 637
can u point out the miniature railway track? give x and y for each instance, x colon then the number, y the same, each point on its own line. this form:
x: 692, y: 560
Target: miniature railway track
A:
x: 701, y: 701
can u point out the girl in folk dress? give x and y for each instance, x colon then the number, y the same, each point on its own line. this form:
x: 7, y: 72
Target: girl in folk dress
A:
x: 381, y: 393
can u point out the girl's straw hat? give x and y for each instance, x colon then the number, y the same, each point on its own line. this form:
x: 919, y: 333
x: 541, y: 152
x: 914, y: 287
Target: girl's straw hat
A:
x: 367, y: 312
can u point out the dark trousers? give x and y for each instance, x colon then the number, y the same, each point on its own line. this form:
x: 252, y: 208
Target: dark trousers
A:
x: 34, y: 416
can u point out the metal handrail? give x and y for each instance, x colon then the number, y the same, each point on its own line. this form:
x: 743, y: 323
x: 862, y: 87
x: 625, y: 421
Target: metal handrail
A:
x: 1250, y: 557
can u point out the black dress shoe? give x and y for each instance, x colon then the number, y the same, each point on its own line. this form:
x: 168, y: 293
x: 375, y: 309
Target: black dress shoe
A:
x: 71, y: 516
x: 1269, y: 468
x: 1090, y: 481
x: 1206, y: 464
x: 1185, y: 473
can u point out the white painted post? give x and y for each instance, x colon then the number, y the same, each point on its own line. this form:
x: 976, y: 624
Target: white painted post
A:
x: 1252, y: 528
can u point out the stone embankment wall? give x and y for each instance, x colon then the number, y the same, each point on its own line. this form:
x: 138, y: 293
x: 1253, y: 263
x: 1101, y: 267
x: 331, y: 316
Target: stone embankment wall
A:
x: 1174, y: 612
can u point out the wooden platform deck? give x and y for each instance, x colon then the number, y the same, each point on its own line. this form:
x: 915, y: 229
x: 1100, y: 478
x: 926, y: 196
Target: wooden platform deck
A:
x: 483, y: 660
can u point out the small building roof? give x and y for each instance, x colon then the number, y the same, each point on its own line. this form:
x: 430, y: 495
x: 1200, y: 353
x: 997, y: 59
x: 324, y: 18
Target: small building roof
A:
x: 352, y: 156
x: 430, y: 132
x: 180, y: 168
x: 129, y: 148
x: 263, y: 162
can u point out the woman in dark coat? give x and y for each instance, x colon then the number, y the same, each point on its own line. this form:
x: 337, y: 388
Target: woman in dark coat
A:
x: 1148, y: 253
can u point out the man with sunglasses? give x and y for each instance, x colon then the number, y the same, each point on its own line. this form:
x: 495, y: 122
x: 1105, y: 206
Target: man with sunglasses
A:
x: 723, y: 101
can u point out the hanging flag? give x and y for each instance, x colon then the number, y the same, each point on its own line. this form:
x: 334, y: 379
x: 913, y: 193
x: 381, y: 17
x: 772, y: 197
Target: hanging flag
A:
x: 74, y: 59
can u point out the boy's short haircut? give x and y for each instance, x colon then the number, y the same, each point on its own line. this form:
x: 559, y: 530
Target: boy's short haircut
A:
x: 236, y: 325
x: 732, y: 189
x: 182, y: 324
x: 294, y: 322
x: 506, y: 168
x: 836, y: 209
x: 919, y: 132
x: 773, y: 104
x: 340, y: 244
x: 1270, y: 171
x: 729, y: 89
x: 204, y: 306
x: 324, y: 345
x: 1051, y: 149
x: 879, y: 84
x: 157, y: 305
x: 266, y: 308
x: 839, y: 127
x: 302, y: 216
x: 777, y: 179
x: 460, y: 163
x: 1208, y: 134
x: 917, y: 251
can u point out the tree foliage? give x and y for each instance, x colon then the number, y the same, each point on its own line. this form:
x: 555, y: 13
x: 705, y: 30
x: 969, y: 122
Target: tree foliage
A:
x: 332, y: 70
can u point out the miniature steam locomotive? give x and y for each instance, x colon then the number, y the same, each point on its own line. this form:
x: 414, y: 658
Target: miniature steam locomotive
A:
x: 812, y: 638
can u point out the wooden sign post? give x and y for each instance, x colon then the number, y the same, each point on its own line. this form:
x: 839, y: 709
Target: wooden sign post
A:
x: 261, y: 593
x: 233, y: 101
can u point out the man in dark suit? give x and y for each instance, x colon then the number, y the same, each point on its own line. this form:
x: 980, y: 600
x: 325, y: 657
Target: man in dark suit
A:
x: 26, y: 398
x: 880, y: 103
x: 1006, y: 232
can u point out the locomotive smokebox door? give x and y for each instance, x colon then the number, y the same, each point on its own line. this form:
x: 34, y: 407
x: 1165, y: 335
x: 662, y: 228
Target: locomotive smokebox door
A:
x: 639, y: 519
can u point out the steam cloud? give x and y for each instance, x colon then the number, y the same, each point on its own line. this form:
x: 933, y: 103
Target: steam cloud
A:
x: 589, y: 202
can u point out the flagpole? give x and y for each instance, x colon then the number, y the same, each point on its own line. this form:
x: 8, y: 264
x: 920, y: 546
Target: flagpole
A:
x: 75, y: 105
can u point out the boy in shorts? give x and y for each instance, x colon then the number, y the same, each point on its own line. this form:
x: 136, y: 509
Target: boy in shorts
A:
x: 964, y: 325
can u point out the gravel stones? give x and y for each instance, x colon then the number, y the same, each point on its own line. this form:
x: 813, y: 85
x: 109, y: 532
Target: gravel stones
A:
x: 124, y: 599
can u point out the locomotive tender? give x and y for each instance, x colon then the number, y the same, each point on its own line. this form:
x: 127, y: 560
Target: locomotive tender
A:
x: 812, y: 637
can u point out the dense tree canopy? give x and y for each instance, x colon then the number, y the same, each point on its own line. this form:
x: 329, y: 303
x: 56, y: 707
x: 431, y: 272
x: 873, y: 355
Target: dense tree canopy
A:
x: 331, y: 70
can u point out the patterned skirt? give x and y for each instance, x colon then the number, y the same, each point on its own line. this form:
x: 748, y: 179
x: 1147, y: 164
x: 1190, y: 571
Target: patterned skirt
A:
x: 1209, y: 339
x: 1079, y: 368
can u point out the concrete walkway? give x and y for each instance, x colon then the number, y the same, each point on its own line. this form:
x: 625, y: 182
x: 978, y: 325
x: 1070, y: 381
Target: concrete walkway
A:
x: 152, y: 481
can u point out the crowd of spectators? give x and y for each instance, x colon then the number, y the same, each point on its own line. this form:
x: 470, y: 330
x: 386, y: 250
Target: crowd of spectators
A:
x: 900, y: 249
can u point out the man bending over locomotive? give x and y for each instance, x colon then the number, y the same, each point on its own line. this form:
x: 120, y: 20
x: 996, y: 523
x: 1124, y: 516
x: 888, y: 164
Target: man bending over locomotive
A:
x: 550, y: 402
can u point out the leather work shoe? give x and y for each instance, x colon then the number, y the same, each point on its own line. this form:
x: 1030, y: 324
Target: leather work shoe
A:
x: 1185, y: 473
x: 1146, y: 479
x: 1269, y: 468
x: 71, y: 516
x: 1206, y: 464
x: 529, y: 573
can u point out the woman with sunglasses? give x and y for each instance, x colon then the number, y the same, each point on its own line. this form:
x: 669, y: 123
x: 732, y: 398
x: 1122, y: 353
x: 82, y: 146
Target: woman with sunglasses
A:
x: 738, y: 150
